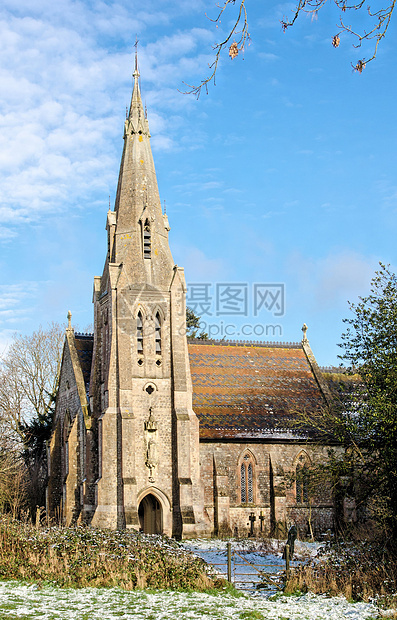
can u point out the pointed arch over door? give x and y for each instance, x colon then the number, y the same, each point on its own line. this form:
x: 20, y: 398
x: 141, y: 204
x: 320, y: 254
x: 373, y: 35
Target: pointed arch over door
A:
x: 150, y: 515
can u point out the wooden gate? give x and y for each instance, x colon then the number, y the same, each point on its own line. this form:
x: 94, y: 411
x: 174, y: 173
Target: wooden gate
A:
x: 249, y: 569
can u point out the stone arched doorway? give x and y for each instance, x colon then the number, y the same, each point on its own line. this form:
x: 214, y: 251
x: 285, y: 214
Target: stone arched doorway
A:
x: 150, y: 515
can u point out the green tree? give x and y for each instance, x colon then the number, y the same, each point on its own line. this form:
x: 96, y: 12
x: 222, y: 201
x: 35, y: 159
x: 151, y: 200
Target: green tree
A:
x: 367, y: 420
x: 193, y: 329
x: 360, y: 422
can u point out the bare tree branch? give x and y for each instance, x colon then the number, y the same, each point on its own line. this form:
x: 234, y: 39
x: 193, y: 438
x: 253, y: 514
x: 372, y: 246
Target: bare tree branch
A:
x: 235, y: 47
x: 381, y: 22
x: 382, y: 19
x: 29, y: 374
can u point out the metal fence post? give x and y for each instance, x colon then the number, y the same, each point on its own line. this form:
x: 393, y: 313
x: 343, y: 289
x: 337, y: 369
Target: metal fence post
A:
x: 287, y: 561
x: 229, y: 562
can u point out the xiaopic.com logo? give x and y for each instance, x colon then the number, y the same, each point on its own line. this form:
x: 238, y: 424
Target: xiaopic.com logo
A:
x: 224, y: 330
x: 236, y: 299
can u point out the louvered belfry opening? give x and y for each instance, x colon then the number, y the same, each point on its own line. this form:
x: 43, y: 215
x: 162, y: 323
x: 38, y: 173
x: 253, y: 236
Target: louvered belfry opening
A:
x: 139, y: 333
x: 157, y: 328
x: 147, y: 240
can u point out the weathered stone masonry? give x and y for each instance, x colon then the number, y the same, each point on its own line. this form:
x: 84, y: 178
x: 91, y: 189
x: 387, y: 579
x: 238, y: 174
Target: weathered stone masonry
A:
x: 154, y: 433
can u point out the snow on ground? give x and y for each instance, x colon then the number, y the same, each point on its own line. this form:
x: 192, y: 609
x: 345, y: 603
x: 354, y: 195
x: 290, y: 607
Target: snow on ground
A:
x: 20, y: 601
x: 249, y: 558
x: 23, y: 602
x: 303, y: 550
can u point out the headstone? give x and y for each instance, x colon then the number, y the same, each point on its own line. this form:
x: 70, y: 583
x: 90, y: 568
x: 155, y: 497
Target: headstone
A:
x: 292, y: 536
x: 252, y: 519
x: 261, y: 519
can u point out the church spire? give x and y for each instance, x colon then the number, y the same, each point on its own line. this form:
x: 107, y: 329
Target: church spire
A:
x: 137, y: 116
x: 138, y: 209
x: 136, y: 72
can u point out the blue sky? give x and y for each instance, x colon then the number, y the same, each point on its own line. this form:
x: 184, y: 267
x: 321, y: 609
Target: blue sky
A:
x: 285, y: 173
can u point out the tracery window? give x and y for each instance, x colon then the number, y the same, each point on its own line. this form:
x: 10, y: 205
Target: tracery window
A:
x: 302, y: 480
x: 157, y: 329
x: 147, y: 240
x: 139, y: 332
x: 247, y: 480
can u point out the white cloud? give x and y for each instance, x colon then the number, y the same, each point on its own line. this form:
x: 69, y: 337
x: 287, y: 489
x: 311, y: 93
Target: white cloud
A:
x: 198, y: 267
x: 17, y: 303
x: 6, y: 234
x: 6, y: 336
x: 342, y: 275
x: 334, y: 279
x: 268, y: 56
x: 58, y: 120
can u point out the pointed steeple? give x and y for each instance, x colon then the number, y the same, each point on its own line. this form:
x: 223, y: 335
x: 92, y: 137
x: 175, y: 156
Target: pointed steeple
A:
x: 137, y: 117
x: 138, y: 212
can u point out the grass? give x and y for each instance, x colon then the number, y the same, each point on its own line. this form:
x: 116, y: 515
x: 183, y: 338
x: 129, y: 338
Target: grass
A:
x: 359, y: 571
x: 121, y: 561
x: 82, y: 556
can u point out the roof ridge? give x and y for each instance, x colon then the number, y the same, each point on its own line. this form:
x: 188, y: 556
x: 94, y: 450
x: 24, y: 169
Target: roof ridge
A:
x: 244, y: 343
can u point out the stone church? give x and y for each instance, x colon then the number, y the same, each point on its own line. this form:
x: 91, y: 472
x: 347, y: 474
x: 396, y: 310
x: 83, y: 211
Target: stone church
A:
x: 158, y: 433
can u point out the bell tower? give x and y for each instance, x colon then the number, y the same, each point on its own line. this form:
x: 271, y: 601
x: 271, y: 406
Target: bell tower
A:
x: 147, y: 440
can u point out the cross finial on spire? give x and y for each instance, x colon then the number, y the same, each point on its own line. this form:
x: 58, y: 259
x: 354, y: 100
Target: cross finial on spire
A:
x: 136, y: 72
x: 69, y: 320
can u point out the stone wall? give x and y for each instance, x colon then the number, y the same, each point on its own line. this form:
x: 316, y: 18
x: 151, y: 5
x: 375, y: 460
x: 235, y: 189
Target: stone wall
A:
x: 65, y: 467
x: 273, y: 499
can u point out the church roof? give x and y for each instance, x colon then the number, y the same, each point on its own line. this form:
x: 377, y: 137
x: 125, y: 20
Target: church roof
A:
x: 247, y: 390
x: 84, y: 344
x: 241, y: 390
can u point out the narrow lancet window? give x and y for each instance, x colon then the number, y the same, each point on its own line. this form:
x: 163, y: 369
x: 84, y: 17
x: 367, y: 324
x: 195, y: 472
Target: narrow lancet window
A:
x: 243, y: 484
x: 147, y: 240
x: 139, y: 333
x: 247, y: 480
x: 66, y: 431
x: 302, y: 480
x: 157, y: 323
x: 250, y: 484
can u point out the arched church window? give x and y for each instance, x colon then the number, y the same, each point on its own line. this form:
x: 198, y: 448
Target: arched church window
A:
x: 302, y: 480
x: 147, y: 240
x: 243, y: 482
x: 250, y: 483
x: 139, y: 332
x: 157, y: 329
x: 247, y: 480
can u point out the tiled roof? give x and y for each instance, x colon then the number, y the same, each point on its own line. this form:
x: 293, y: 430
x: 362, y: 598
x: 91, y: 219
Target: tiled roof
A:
x: 241, y: 390
x: 245, y: 391
x: 84, y: 345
